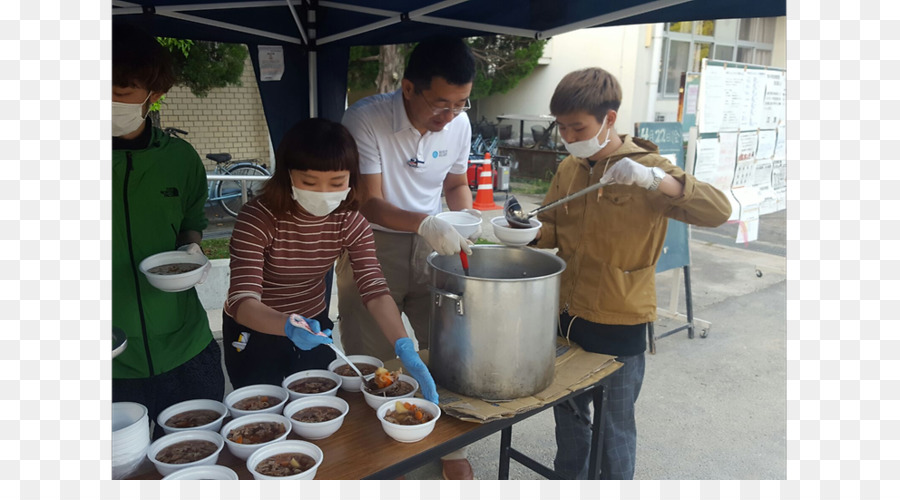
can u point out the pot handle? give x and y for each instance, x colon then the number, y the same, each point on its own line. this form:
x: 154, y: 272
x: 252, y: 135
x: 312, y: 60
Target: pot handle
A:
x: 440, y: 294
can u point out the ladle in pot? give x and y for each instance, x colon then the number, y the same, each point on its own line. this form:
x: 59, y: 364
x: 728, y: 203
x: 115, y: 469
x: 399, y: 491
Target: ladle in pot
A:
x: 516, y: 217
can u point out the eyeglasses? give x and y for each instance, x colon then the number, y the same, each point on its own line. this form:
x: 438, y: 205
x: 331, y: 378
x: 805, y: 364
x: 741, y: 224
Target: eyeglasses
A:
x: 437, y: 111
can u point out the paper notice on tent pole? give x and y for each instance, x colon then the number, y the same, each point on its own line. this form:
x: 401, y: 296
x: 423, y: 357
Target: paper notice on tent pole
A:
x: 271, y: 63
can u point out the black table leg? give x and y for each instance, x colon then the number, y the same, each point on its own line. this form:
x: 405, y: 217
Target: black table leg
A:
x: 594, y: 464
x: 505, y: 442
x: 521, y: 133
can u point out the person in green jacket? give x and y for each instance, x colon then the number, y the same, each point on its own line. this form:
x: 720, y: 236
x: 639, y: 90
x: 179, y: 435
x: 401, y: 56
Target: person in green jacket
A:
x: 158, y: 195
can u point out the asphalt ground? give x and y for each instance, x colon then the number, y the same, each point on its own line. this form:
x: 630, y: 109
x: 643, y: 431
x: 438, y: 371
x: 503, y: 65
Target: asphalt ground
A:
x: 710, y: 408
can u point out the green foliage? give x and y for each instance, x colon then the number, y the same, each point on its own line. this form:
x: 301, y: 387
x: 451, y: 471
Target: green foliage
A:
x: 502, y: 62
x: 216, y: 248
x: 527, y: 185
x: 203, y: 66
x: 362, y: 68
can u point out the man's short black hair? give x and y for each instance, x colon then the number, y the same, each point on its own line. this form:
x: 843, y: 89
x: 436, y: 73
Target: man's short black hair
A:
x: 138, y: 60
x: 447, y: 57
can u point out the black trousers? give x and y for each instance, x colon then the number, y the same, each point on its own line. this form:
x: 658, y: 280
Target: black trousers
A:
x: 269, y: 359
x: 200, y: 377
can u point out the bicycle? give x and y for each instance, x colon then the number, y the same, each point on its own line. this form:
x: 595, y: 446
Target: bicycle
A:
x: 228, y: 192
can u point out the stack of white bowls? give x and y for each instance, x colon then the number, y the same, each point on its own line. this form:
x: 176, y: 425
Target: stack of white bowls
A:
x: 130, y: 437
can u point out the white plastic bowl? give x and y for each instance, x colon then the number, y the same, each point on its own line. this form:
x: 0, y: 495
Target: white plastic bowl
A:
x: 409, y: 433
x: 216, y: 472
x: 177, y: 437
x: 131, y: 431
x: 514, y: 236
x: 273, y: 391
x: 351, y: 384
x: 465, y: 223
x: 376, y: 401
x: 243, y: 451
x: 176, y: 282
x: 292, y: 446
x: 309, y: 374
x: 193, y: 404
x: 316, y: 430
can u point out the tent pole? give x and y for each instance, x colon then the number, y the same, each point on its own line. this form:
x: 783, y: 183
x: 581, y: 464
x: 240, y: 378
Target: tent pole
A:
x: 491, y: 28
x: 394, y: 18
x: 313, y: 71
x: 297, y: 21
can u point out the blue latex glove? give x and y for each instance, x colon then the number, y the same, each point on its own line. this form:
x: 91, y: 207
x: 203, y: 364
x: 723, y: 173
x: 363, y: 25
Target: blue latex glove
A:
x: 306, y: 333
x: 414, y: 365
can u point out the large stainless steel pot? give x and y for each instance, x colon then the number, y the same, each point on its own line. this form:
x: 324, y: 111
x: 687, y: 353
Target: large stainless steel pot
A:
x: 493, y: 333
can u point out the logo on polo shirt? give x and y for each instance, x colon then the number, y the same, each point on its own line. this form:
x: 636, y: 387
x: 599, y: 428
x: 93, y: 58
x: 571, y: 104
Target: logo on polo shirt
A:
x: 439, y: 154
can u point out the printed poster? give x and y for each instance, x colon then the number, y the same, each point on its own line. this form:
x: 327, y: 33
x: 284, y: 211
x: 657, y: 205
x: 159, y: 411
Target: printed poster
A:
x: 271, y: 63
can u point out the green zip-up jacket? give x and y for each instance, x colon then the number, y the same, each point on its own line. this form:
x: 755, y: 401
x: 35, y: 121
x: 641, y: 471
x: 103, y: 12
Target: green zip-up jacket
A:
x: 158, y: 190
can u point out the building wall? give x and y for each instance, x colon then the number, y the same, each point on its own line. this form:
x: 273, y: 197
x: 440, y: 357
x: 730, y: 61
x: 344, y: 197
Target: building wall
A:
x: 625, y: 51
x: 228, y: 120
x: 616, y: 50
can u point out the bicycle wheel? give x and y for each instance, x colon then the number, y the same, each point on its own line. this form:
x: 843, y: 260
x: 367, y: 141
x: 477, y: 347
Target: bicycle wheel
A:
x: 229, y: 192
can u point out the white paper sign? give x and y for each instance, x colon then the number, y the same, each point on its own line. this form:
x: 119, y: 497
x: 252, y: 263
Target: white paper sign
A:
x: 271, y: 63
x: 749, y: 199
x: 779, y: 153
x: 776, y: 95
x: 712, y: 96
x: 746, y: 149
x: 766, y: 146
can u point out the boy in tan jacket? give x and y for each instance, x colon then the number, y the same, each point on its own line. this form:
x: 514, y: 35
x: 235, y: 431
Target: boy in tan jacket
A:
x: 611, y: 242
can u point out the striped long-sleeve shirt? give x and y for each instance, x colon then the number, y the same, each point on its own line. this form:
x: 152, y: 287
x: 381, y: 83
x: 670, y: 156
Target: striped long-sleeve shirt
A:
x: 282, y: 262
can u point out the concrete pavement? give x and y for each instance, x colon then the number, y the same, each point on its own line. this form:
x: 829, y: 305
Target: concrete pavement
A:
x: 710, y: 408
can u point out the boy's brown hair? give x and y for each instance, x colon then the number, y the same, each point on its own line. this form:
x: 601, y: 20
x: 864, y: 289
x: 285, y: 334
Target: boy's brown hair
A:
x: 312, y: 144
x: 593, y: 90
x: 138, y: 60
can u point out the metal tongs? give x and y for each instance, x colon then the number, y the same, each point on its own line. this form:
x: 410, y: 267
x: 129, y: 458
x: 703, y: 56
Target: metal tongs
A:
x: 516, y: 217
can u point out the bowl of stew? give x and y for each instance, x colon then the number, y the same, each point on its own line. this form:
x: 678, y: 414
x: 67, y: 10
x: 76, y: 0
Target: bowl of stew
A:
x: 366, y: 364
x: 246, y: 434
x: 316, y: 417
x: 312, y: 383
x: 408, y: 420
x: 407, y: 388
x: 285, y: 460
x: 175, y: 271
x: 195, y: 414
x: 181, y: 450
x: 255, y: 399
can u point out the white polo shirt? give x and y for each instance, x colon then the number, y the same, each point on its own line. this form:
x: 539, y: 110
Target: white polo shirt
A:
x: 412, y: 166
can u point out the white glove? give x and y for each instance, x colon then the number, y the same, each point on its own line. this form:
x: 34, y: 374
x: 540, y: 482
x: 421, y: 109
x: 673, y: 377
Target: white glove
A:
x: 442, y: 237
x: 627, y: 172
x: 477, y: 213
x: 191, y: 248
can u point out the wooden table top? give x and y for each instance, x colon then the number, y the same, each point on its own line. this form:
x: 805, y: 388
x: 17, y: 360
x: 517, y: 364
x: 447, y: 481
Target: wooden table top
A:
x: 360, y: 448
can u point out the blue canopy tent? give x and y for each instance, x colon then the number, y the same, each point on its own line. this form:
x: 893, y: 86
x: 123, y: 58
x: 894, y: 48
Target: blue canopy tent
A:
x: 316, y: 35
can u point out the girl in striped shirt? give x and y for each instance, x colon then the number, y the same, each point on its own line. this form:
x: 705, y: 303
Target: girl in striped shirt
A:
x: 283, y: 244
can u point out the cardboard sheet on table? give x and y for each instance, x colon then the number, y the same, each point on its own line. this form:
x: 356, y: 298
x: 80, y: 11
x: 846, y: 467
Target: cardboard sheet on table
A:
x: 575, y: 369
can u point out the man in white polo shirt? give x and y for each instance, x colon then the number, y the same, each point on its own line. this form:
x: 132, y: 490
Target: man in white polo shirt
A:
x: 413, y: 144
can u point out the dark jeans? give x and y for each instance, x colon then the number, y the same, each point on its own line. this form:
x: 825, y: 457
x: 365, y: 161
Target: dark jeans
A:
x: 200, y: 377
x: 573, y: 418
x: 268, y: 359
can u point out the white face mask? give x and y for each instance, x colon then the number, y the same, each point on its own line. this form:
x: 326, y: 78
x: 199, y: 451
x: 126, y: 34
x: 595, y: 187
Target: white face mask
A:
x: 318, y: 203
x: 127, y: 117
x: 588, y: 147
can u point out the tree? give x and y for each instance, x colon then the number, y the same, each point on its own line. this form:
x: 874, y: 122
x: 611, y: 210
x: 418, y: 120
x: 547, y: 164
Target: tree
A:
x: 203, y: 66
x: 501, y: 62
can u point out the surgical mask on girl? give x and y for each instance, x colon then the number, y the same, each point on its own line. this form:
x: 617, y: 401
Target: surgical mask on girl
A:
x: 319, y: 203
x: 127, y: 117
x: 588, y: 147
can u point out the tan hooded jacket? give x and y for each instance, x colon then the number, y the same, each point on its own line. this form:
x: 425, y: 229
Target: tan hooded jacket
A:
x: 611, y: 240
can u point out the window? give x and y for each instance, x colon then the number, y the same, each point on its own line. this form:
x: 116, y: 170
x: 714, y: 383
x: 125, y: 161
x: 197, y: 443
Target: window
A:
x: 687, y: 43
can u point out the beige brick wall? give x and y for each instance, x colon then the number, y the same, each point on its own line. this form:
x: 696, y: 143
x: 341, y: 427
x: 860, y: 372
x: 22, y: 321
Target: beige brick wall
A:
x: 227, y: 120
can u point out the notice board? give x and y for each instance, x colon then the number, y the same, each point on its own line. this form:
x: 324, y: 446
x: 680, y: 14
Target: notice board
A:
x: 740, y: 145
x: 668, y: 136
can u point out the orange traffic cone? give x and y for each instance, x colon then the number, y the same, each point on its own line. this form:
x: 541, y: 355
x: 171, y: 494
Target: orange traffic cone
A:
x: 484, y: 200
